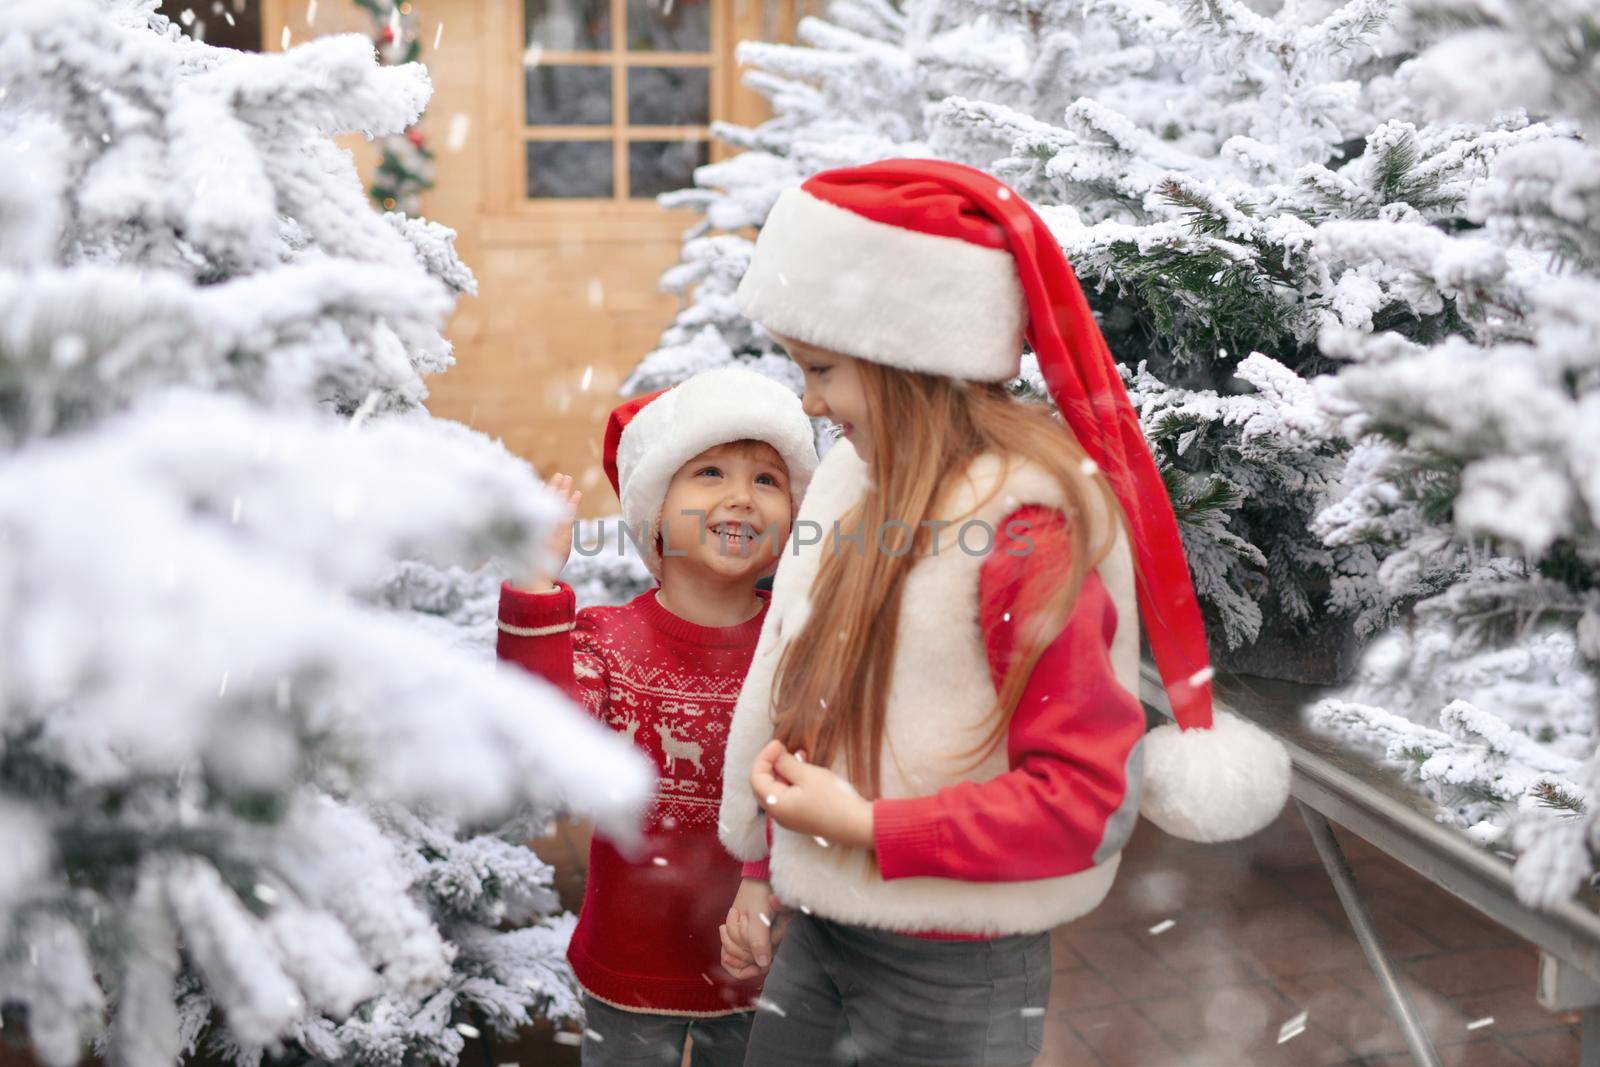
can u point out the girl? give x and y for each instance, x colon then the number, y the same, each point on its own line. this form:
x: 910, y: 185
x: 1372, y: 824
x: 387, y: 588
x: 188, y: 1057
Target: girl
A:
x: 977, y: 574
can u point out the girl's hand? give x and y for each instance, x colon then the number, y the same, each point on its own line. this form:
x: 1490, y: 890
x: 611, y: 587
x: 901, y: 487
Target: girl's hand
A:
x: 754, y: 927
x: 809, y: 799
x: 559, y: 546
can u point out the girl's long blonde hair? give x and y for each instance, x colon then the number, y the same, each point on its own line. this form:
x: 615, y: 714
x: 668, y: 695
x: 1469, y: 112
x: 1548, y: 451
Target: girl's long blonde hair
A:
x: 830, y: 690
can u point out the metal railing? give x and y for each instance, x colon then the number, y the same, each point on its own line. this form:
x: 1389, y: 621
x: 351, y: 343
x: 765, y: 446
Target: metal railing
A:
x: 1332, y: 783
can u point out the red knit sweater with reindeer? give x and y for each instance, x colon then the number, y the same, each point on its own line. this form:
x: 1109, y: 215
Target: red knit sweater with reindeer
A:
x: 647, y: 939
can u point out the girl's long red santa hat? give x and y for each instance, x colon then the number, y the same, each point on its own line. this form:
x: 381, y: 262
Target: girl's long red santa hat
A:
x: 938, y: 267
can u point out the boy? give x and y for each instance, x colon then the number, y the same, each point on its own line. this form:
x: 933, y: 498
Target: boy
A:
x: 710, y: 474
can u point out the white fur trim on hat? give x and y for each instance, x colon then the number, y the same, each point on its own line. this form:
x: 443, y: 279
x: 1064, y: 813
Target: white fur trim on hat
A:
x: 1216, y: 784
x: 711, y: 408
x: 838, y: 280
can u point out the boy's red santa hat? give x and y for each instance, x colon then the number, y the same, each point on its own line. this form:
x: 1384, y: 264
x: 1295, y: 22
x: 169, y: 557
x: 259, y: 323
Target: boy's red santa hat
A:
x: 649, y: 437
x: 933, y: 266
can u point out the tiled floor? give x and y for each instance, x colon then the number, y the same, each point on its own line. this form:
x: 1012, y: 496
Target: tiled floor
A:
x: 1258, y: 937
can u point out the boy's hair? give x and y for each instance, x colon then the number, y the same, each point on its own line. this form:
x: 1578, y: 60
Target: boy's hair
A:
x: 747, y: 445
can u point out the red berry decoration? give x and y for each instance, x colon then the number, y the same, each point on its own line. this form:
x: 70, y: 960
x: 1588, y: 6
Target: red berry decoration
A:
x: 388, y: 34
x: 414, y: 136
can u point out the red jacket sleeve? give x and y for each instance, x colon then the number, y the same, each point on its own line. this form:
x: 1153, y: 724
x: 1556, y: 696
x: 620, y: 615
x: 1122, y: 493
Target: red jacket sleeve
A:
x: 542, y: 632
x: 1067, y: 802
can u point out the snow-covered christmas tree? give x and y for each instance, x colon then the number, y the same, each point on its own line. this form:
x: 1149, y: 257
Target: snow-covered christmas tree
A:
x: 262, y: 784
x: 1182, y: 154
x: 1474, y: 483
x: 1358, y: 325
x: 1192, y: 206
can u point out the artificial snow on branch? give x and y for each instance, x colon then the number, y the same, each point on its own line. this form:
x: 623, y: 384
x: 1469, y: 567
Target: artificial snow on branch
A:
x: 1476, y: 493
x: 263, y: 787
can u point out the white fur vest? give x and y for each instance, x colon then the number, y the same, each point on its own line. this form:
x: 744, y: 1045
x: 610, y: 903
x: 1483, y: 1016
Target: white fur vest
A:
x: 940, y: 697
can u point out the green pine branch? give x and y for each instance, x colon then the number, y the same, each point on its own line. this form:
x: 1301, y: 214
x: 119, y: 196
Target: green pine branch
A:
x: 1554, y: 796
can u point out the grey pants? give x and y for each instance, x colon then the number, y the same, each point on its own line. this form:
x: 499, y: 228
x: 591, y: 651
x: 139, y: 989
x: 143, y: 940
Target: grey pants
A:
x: 646, y: 1039
x: 855, y: 996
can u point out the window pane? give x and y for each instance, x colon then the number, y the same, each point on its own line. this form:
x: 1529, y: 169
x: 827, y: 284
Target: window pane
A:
x: 669, y: 25
x: 662, y: 166
x: 568, y: 96
x: 569, y: 169
x: 568, y: 25
x: 669, y: 96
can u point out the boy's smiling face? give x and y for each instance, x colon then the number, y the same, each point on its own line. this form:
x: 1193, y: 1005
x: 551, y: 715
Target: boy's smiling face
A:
x: 727, y: 512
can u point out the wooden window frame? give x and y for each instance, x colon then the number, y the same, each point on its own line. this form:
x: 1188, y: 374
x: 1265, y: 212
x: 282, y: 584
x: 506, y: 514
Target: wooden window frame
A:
x: 509, y: 133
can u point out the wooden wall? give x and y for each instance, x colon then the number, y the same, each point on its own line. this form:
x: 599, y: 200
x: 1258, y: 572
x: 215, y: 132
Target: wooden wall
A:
x: 566, y: 291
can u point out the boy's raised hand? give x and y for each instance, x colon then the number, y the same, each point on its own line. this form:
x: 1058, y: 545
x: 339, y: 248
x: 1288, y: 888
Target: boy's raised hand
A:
x: 559, y: 546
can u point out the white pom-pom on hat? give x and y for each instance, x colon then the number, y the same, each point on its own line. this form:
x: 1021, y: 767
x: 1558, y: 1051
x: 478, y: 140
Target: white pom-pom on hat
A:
x: 1216, y: 783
